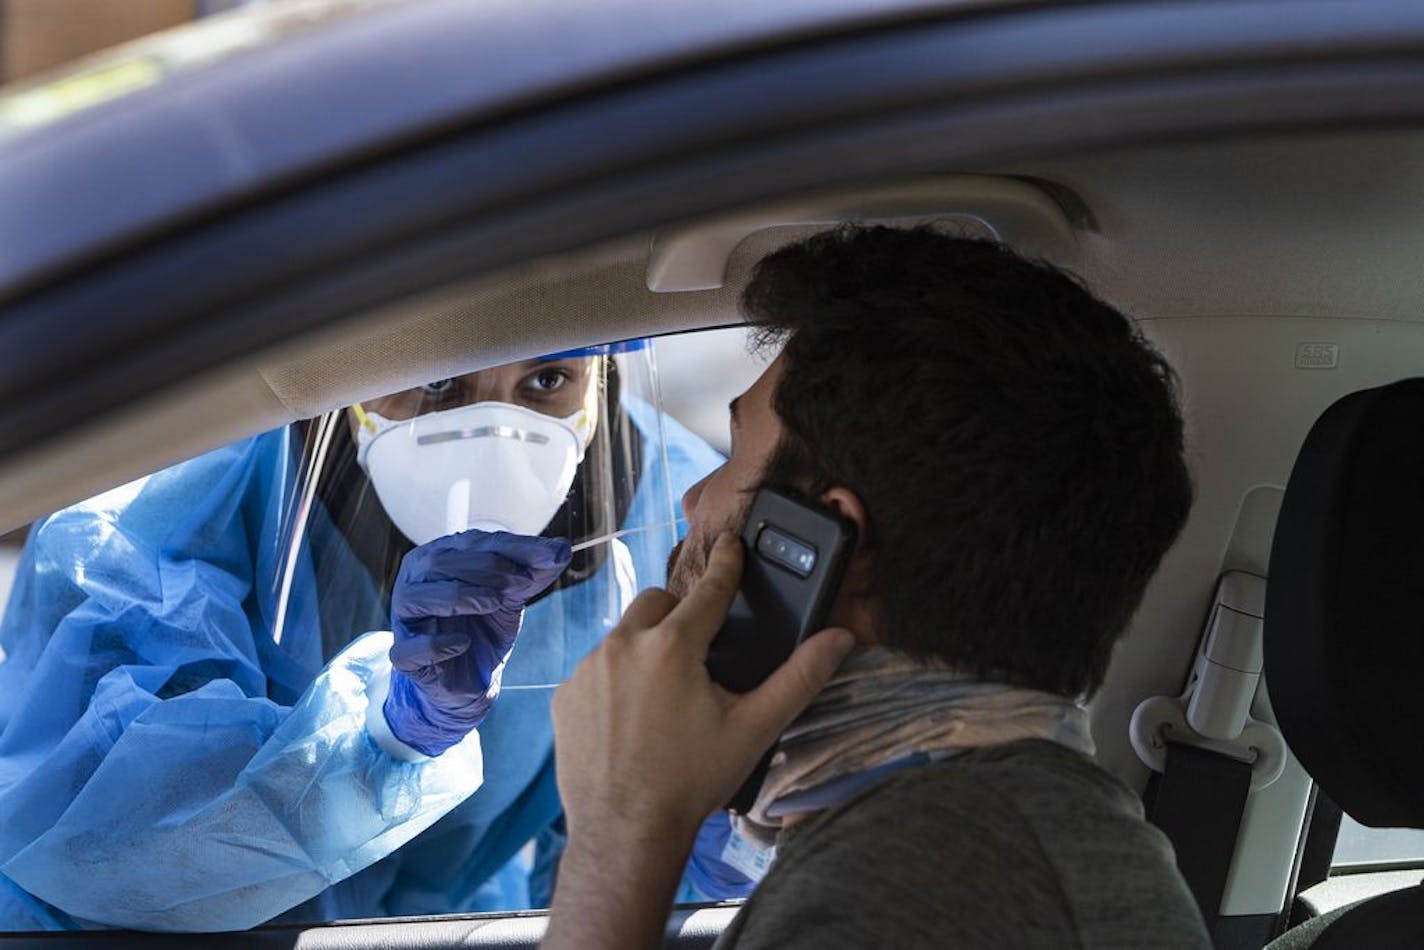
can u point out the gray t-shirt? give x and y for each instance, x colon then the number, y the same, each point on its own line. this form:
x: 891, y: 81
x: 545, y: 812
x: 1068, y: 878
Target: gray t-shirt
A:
x: 1021, y: 845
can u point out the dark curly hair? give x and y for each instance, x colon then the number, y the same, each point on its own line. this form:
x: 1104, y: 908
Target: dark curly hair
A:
x: 1015, y: 441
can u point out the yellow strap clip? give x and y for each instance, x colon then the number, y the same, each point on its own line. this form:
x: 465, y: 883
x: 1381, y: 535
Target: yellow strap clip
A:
x: 365, y: 420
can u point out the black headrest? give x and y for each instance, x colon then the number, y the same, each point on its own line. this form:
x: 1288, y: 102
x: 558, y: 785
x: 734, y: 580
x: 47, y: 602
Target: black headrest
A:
x: 1344, y: 627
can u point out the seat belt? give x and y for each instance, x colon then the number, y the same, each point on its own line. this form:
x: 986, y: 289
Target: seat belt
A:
x: 1200, y: 797
x: 1212, y: 744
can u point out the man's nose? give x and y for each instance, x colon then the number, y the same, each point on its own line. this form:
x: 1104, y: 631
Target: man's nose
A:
x: 690, y: 497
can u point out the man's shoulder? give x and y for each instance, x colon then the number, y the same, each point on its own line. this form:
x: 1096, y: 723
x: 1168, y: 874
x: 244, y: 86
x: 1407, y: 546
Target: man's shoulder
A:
x: 1033, y: 776
x: 1028, y: 809
x: 1004, y: 791
x: 1028, y: 843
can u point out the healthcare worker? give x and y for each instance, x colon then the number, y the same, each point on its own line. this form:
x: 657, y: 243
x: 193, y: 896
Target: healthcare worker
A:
x: 197, y: 731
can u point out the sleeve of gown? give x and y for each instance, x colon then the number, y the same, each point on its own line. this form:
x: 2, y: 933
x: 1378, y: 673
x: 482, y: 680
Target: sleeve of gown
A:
x: 146, y: 779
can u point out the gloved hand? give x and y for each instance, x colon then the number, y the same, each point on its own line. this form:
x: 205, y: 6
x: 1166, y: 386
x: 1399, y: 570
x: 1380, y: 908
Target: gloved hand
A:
x: 455, y: 611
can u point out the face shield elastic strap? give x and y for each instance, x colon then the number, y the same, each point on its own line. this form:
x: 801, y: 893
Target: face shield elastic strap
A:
x: 601, y: 349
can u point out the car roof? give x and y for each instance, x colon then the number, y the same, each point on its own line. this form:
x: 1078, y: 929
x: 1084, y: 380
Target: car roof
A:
x: 200, y: 117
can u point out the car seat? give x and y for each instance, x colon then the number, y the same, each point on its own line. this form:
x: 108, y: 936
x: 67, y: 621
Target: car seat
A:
x: 1344, y: 635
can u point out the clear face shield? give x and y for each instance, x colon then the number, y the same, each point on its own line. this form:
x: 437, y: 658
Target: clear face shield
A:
x: 569, y: 445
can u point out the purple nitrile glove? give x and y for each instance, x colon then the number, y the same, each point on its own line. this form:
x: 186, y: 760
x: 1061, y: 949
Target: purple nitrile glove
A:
x: 455, y: 611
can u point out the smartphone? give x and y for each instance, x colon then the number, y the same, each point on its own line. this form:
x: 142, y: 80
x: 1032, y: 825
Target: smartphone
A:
x: 795, y: 557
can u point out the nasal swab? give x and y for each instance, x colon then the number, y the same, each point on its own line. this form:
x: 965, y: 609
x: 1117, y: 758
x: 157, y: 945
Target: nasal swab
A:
x: 619, y: 534
x: 576, y: 548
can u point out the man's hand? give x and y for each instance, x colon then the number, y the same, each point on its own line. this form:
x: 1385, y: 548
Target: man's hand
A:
x: 648, y: 746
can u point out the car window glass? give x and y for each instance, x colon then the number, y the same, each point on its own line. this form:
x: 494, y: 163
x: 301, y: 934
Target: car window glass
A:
x: 206, y: 717
x: 1357, y: 845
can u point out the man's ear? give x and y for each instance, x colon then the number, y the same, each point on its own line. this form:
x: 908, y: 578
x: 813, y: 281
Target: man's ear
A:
x: 847, y: 504
x: 854, y: 606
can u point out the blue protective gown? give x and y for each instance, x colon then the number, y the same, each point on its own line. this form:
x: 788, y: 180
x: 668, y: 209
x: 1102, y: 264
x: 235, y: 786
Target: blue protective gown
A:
x: 166, y: 764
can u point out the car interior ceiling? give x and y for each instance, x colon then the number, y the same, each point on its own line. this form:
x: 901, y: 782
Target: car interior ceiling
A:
x: 1231, y: 253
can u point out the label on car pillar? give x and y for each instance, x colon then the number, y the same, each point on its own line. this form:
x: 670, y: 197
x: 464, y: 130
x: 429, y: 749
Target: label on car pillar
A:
x: 1317, y: 355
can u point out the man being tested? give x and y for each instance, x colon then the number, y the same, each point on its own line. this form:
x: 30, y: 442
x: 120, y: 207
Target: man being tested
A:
x: 1011, y: 452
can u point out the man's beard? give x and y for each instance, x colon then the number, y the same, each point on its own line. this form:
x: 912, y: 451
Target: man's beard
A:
x: 688, y: 560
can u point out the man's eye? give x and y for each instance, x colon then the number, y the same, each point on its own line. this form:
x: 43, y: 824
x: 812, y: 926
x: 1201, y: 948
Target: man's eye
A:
x: 441, y: 387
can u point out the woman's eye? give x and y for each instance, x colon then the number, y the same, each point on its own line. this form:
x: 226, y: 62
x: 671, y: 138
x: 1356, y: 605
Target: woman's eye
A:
x: 441, y: 387
x: 548, y: 380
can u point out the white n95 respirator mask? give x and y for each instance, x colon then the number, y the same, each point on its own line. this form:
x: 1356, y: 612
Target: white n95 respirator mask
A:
x: 489, y: 465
